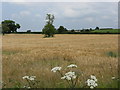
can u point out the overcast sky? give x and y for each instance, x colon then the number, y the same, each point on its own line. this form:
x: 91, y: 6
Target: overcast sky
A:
x: 71, y: 15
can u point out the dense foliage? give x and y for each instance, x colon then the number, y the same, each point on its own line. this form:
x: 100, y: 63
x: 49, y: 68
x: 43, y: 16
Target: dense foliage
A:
x: 9, y: 26
x: 49, y: 30
x: 61, y: 30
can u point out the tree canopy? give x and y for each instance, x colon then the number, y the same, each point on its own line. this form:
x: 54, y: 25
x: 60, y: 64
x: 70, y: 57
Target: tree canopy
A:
x: 61, y: 30
x: 97, y: 28
x: 9, y: 26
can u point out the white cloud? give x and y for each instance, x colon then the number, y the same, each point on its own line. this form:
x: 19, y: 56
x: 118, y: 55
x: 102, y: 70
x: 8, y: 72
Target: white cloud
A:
x: 89, y: 9
x: 106, y: 17
x: 74, y: 10
x: 69, y: 12
x: 38, y: 15
x: 24, y: 13
x: 89, y: 19
x: 13, y: 15
x: 20, y: 14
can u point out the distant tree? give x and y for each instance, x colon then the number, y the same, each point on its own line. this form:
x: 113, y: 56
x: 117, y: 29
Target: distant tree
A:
x: 82, y: 30
x: 87, y: 30
x: 28, y: 31
x: 49, y: 30
x: 72, y: 30
x: 61, y: 29
x: 9, y: 26
x: 90, y: 29
x: 97, y: 28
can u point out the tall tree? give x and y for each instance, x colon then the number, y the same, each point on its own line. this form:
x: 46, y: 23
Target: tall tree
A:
x: 50, y: 18
x: 49, y: 29
x: 9, y: 26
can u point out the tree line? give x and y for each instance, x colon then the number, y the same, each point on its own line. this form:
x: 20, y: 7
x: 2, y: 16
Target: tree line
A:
x: 10, y: 26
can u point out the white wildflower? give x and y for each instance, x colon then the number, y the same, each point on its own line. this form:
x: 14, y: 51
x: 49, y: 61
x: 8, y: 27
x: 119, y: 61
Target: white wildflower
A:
x: 92, y: 82
x: 63, y: 77
x: 69, y: 76
x: 26, y: 87
x: 29, y: 77
x: 25, y: 77
x: 72, y: 65
x: 55, y: 69
x: 91, y: 87
x: 95, y: 85
x: 74, y: 77
x: 32, y: 78
x: 94, y: 78
x: 70, y: 73
x: 88, y: 82
x: 113, y: 78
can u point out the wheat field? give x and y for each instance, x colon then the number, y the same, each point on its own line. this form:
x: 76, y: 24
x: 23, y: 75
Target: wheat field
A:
x: 31, y: 54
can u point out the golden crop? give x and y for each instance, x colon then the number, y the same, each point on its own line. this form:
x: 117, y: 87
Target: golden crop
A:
x: 31, y: 54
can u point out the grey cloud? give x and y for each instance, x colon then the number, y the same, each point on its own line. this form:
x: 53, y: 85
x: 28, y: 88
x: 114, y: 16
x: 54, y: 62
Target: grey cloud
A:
x: 71, y: 15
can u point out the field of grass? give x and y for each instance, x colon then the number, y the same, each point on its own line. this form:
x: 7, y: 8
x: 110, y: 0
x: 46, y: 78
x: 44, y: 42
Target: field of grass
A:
x: 107, y: 31
x: 34, y: 55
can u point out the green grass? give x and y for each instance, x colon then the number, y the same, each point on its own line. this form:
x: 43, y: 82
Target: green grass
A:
x: 107, y: 31
x: 9, y: 52
x: 111, y: 84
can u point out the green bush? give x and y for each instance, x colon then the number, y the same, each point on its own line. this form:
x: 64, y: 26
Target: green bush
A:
x: 112, y: 54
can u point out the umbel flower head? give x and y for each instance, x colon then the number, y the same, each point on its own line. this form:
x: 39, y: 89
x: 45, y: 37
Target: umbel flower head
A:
x: 69, y: 76
x: 25, y: 77
x: 26, y: 87
x: 113, y: 78
x: 92, y: 82
x: 72, y: 66
x: 93, y: 78
x: 55, y: 69
x: 32, y: 78
x: 29, y: 77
